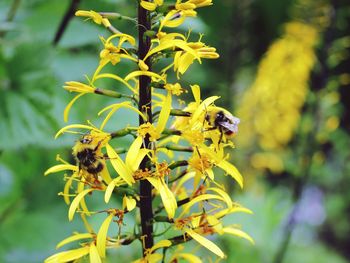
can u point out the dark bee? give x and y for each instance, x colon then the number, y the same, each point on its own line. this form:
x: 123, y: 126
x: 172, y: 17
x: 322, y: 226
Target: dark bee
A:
x: 225, y: 122
x: 87, y: 152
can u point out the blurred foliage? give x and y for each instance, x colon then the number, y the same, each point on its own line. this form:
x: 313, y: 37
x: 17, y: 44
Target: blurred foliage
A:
x: 309, y: 190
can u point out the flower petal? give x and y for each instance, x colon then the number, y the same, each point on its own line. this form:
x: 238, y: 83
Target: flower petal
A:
x: 76, y: 201
x: 102, y: 236
x: 119, y: 165
x: 61, y: 167
x: 205, y: 243
x: 239, y: 233
x: 73, y: 238
x: 94, y: 256
x: 164, y: 113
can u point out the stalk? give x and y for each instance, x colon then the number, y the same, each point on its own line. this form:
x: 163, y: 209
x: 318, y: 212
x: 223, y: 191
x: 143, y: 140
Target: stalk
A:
x: 146, y: 210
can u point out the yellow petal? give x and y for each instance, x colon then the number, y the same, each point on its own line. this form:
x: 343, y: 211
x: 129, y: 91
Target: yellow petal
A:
x: 67, y: 256
x: 123, y: 38
x: 70, y: 104
x: 102, y: 236
x: 138, y: 73
x: 224, y: 195
x: 73, y: 238
x: 114, y: 108
x: 119, y: 165
x: 160, y: 244
x: 142, y: 65
x: 129, y: 203
x: 141, y: 155
x: 202, y: 108
x: 148, y: 5
x: 74, y: 126
x: 231, y: 170
x: 133, y: 151
x: 168, y: 198
x: 61, y: 167
x: 197, y: 199
x: 239, y: 233
x: 66, y: 190
x: 196, y: 91
x: 115, y: 77
x: 164, y: 113
x: 189, y: 257
x: 75, y: 203
x: 205, y: 243
x: 109, y: 191
x: 94, y: 256
x: 234, y: 209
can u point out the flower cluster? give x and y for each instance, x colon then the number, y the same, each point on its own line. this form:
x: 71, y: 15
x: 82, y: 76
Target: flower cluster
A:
x: 178, y: 151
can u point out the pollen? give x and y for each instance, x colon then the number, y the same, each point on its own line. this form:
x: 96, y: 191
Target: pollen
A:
x: 162, y: 169
x: 200, y: 163
x: 142, y: 174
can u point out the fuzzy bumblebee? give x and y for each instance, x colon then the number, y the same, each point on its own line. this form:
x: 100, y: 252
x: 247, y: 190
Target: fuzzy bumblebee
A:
x: 222, y: 120
x: 88, y: 154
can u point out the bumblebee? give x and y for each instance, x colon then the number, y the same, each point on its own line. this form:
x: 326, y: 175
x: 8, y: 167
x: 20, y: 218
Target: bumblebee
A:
x: 225, y: 122
x: 87, y: 152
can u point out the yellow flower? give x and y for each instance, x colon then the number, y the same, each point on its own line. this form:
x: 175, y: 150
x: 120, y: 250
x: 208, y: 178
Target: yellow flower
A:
x: 96, y: 17
x: 150, y: 130
x: 151, y: 6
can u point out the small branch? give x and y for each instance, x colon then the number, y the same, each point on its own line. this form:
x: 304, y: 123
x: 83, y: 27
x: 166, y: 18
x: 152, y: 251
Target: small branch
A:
x: 177, y: 148
x: 11, y: 14
x: 175, y: 112
x: 117, y: 16
x: 65, y: 20
x: 113, y: 94
x: 122, y: 132
x: 178, y: 164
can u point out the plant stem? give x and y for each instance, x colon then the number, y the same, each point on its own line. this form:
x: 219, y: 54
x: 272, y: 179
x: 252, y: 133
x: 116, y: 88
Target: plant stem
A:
x: 65, y: 20
x: 145, y: 101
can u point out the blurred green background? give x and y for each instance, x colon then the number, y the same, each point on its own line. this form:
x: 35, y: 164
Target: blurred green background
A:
x: 301, y: 208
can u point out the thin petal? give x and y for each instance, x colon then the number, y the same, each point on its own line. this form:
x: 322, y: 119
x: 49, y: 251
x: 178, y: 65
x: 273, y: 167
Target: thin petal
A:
x: 75, y: 203
x: 74, y: 126
x: 164, y: 113
x: 197, y: 199
x: 101, y: 239
x: 196, y: 91
x: 74, y: 238
x: 61, y: 167
x: 69, y: 106
x: 160, y: 244
x: 138, y: 73
x: 133, y: 151
x: 119, y: 165
x: 205, y: 243
x: 202, y: 107
x: 232, y: 170
x: 113, y: 76
x: 67, y: 256
x: 94, y: 256
x: 239, y: 233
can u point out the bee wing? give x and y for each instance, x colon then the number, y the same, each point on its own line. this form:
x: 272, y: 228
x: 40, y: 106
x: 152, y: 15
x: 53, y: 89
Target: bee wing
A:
x: 231, y: 125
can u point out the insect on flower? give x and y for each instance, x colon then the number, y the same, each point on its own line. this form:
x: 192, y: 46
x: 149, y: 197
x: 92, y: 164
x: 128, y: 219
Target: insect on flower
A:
x: 88, y: 154
x: 223, y: 121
